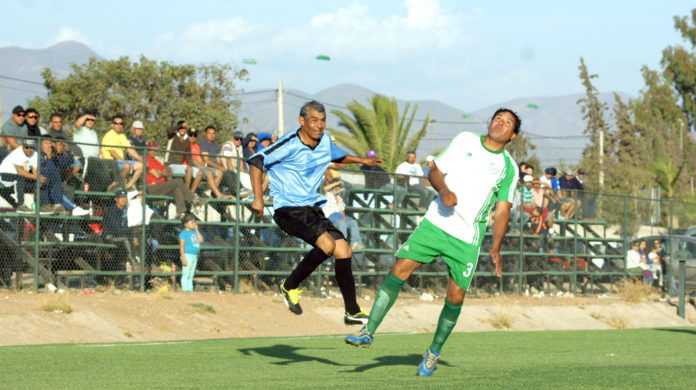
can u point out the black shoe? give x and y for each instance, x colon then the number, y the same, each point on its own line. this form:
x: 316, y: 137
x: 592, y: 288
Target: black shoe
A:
x: 356, y: 319
x: 291, y: 298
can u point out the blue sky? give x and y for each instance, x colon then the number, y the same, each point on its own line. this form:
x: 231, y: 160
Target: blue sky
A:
x: 468, y: 54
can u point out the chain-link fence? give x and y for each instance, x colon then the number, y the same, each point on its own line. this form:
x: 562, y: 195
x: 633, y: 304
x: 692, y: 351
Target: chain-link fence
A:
x: 82, y: 233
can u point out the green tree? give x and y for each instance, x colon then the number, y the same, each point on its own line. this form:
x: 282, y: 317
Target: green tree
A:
x: 680, y: 67
x: 379, y: 127
x: 593, y: 158
x: 520, y: 148
x: 157, y: 93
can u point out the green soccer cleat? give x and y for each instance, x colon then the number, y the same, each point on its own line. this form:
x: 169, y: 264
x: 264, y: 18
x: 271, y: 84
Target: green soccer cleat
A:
x: 291, y: 298
x: 363, y: 338
x: 356, y: 319
x: 427, y: 365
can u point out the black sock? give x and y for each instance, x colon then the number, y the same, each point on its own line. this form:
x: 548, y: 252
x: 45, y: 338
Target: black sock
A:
x: 346, y: 282
x: 308, y: 264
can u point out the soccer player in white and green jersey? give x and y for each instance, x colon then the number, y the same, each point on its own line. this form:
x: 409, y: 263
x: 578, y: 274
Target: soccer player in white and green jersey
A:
x: 469, y: 175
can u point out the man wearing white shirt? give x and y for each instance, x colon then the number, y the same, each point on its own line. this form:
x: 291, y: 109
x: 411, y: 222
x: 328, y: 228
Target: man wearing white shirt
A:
x: 416, y: 180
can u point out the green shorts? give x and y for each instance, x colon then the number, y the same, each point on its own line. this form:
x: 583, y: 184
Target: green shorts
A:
x: 429, y: 241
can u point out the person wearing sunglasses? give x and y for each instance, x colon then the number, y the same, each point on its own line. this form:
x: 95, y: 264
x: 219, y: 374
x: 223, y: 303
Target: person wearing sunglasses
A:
x: 13, y: 128
x: 18, y: 170
x: 33, y: 121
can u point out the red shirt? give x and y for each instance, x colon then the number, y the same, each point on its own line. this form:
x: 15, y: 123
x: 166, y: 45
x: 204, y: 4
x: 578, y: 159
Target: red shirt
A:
x: 156, y: 165
x: 196, y: 152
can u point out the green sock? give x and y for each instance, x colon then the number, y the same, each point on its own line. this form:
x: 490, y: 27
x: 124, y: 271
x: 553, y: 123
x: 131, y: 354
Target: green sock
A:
x: 448, y: 318
x: 386, y: 296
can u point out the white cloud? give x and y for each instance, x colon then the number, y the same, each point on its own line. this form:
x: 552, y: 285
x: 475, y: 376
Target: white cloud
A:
x: 68, y: 34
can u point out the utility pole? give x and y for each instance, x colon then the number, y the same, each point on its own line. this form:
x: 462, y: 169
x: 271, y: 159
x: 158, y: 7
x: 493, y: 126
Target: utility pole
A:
x: 281, y: 127
x: 601, y: 160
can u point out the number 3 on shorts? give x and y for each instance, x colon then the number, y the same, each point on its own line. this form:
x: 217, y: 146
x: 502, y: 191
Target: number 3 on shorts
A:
x: 469, y: 268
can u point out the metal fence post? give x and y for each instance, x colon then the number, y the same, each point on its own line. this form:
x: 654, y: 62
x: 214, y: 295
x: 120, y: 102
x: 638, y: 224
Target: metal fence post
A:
x: 682, y: 289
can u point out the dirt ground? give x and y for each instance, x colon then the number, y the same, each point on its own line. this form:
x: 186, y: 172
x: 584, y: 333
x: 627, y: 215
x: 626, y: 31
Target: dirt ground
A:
x: 86, y: 316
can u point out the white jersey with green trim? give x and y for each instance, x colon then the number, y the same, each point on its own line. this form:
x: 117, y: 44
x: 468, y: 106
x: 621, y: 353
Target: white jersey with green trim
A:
x: 478, y: 177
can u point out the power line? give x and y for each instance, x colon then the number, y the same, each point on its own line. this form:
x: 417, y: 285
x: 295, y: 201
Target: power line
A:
x: 20, y: 89
x: 21, y: 80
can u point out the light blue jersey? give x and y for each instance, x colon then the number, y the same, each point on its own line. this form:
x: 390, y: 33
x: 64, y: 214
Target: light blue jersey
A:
x: 295, y: 169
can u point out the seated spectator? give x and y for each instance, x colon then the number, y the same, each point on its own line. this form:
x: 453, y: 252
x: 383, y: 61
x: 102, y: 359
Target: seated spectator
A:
x: 18, y: 170
x: 518, y: 218
x: 645, y: 264
x: 263, y: 140
x: 633, y: 262
x: 549, y: 181
x: 429, y: 163
x: 527, y: 195
x: 249, y: 148
x: 210, y: 151
x: 137, y: 141
x: 68, y: 166
x: 85, y: 137
x: 416, y: 181
x: 114, y: 144
x: 115, y: 224
x: 234, y: 152
x: 333, y: 175
x: 14, y: 128
x: 159, y: 181
x: 180, y: 161
x: 32, y: 119
x: 569, y: 199
x: 334, y: 210
x: 539, y: 226
x: 213, y: 177
x: 55, y: 130
x: 377, y: 178
x: 52, y: 197
x: 539, y: 199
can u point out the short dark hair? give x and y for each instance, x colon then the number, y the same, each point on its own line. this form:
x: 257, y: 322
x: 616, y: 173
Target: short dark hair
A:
x: 55, y: 114
x: 179, y: 123
x: 119, y: 116
x: 518, y: 121
x: 187, y: 218
x: 31, y: 110
x: 313, y: 105
x: 210, y: 127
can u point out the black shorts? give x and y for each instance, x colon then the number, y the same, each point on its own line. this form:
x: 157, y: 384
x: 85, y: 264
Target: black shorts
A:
x: 307, y: 223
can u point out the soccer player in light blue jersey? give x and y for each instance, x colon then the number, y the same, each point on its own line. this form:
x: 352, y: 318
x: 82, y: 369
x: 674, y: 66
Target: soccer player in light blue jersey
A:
x: 295, y: 164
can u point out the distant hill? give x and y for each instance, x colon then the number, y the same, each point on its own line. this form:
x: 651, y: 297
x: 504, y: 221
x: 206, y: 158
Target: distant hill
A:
x: 555, y: 127
x: 26, y: 64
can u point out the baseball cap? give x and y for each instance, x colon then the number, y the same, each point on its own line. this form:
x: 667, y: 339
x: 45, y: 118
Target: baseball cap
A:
x: 430, y: 158
x: 551, y: 171
x: 29, y: 142
x: 17, y: 110
x: 370, y: 153
x: 151, y: 144
x: 120, y: 194
x: 138, y: 125
x: 581, y: 171
x: 238, y: 135
x: 527, y: 179
x: 192, y: 132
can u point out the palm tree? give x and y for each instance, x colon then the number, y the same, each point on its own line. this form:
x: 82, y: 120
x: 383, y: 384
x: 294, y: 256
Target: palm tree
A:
x: 379, y: 127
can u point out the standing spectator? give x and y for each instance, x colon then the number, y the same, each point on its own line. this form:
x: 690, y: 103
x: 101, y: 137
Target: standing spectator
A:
x: 172, y: 132
x: 588, y: 208
x: 190, y: 240
x: 85, y: 136
x: 664, y: 263
x: 18, y: 170
x: 377, y: 178
x: 179, y: 159
x: 296, y: 165
x: 335, y: 210
x: 213, y: 177
x: 33, y: 122
x: 115, y: 145
x: 159, y: 181
x: 13, y: 128
x: 115, y: 224
x: 416, y: 181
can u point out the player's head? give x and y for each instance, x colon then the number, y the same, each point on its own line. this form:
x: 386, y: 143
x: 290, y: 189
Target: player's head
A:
x: 504, y: 126
x: 313, y: 120
x: 312, y: 106
x: 518, y: 121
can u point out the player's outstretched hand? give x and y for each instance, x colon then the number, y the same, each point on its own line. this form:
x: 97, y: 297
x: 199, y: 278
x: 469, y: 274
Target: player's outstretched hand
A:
x: 495, y: 256
x: 257, y: 206
x: 372, y: 161
x: 449, y: 199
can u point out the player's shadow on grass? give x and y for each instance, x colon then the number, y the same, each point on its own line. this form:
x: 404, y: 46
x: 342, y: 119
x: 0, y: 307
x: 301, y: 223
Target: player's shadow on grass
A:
x: 394, y: 360
x: 288, y: 353
x: 678, y: 330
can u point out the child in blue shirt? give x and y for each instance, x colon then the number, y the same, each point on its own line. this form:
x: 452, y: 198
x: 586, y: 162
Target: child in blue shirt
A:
x: 189, y: 245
